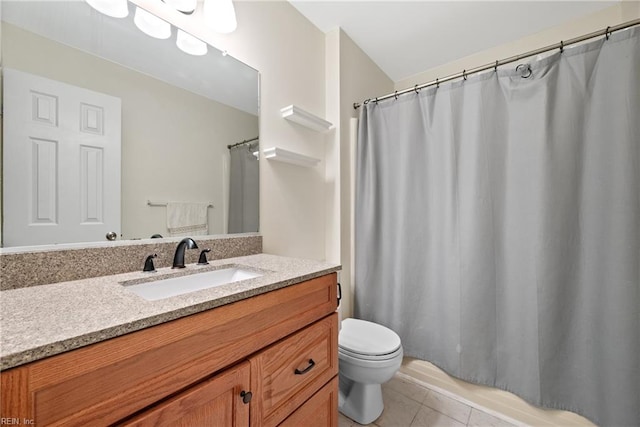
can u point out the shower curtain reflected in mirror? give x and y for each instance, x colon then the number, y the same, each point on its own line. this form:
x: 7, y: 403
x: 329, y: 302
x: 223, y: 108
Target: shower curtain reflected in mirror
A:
x: 244, y: 192
x: 497, y: 227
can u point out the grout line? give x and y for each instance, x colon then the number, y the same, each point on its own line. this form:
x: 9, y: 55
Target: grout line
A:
x: 414, y: 417
x: 466, y: 423
x: 469, y: 416
x: 461, y: 399
x: 447, y: 416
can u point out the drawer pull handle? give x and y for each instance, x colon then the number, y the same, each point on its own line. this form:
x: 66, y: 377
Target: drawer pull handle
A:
x: 307, y: 369
x: 246, y: 396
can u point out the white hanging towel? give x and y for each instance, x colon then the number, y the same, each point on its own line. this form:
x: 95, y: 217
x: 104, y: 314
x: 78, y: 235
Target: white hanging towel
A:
x: 187, y: 219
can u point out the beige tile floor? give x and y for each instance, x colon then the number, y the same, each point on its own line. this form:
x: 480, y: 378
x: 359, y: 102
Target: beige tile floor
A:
x: 407, y: 404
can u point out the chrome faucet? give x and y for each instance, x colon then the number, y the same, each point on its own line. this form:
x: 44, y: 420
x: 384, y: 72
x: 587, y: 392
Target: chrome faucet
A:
x: 178, y: 258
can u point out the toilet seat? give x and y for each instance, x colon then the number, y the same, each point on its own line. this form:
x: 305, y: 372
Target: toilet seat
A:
x: 367, y: 340
x: 375, y: 357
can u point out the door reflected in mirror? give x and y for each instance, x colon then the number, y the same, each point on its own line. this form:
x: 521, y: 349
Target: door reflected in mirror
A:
x: 76, y: 168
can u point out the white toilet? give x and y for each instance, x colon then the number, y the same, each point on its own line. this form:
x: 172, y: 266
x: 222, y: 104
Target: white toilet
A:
x: 369, y: 355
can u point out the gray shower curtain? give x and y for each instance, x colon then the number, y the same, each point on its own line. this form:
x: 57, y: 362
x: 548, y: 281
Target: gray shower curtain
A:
x: 244, y: 190
x: 498, y: 227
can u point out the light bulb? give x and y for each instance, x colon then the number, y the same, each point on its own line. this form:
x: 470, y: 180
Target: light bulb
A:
x: 113, y: 8
x: 220, y: 15
x: 151, y: 24
x: 191, y: 45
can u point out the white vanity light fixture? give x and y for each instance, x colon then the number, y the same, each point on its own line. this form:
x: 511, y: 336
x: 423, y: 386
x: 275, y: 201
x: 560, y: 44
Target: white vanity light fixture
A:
x: 191, y: 45
x: 151, y: 24
x: 113, y: 8
x: 220, y: 15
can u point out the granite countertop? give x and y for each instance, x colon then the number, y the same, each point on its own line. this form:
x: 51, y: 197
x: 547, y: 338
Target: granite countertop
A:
x: 41, y: 321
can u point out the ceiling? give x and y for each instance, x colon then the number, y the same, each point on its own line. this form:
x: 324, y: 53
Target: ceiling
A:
x: 405, y: 38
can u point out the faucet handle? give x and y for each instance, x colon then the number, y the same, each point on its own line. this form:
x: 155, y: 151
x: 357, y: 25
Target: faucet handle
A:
x: 203, y: 257
x: 148, y: 264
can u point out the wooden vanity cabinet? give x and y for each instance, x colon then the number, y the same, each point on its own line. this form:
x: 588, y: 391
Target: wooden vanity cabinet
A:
x: 267, y: 360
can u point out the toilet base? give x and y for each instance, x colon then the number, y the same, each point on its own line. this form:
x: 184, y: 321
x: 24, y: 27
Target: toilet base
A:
x: 360, y: 402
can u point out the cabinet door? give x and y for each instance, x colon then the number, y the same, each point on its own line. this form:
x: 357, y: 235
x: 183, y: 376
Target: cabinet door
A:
x: 214, y: 402
x: 319, y: 411
x: 289, y: 372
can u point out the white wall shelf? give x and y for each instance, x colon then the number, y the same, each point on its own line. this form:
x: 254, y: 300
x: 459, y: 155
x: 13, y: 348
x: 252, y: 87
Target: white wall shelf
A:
x: 275, y: 153
x: 304, y: 118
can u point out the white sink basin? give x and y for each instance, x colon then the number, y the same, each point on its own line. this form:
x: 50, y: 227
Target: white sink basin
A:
x: 165, y: 288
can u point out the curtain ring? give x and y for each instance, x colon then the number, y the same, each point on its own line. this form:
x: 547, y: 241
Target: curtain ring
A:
x: 395, y: 95
x: 366, y: 101
x: 524, y: 68
x: 415, y: 88
x: 437, y: 84
x: 376, y: 100
x: 496, y: 67
x: 561, y: 46
x: 464, y: 74
x: 607, y: 33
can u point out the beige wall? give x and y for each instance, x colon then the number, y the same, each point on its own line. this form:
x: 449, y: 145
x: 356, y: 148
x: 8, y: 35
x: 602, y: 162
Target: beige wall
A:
x: 332, y: 147
x: 288, y: 50
x: 619, y: 13
x: 351, y: 77
x: 173, y: 141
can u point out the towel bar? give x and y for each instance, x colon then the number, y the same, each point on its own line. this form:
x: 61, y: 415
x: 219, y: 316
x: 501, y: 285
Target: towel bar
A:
x: 156, y: 203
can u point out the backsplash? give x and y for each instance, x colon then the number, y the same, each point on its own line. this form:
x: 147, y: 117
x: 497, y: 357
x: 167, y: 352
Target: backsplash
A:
x: 40, y: 267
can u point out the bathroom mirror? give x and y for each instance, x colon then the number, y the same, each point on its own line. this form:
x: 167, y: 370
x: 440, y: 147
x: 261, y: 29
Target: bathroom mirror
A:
x: 178, y: 113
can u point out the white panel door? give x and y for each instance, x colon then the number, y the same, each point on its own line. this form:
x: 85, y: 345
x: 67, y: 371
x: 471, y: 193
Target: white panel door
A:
x: 61, y: 162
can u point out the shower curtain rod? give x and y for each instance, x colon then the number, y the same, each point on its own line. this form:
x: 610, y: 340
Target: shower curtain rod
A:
x: 606, y: 32
x: 246, y: 141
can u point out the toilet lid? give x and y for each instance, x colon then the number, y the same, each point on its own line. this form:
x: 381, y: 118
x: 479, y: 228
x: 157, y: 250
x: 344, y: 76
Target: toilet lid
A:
x: 367, y: 338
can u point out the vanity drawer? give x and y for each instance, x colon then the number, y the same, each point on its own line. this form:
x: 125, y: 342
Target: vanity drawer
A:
x: 290, y: 371
x: 319, y: 411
